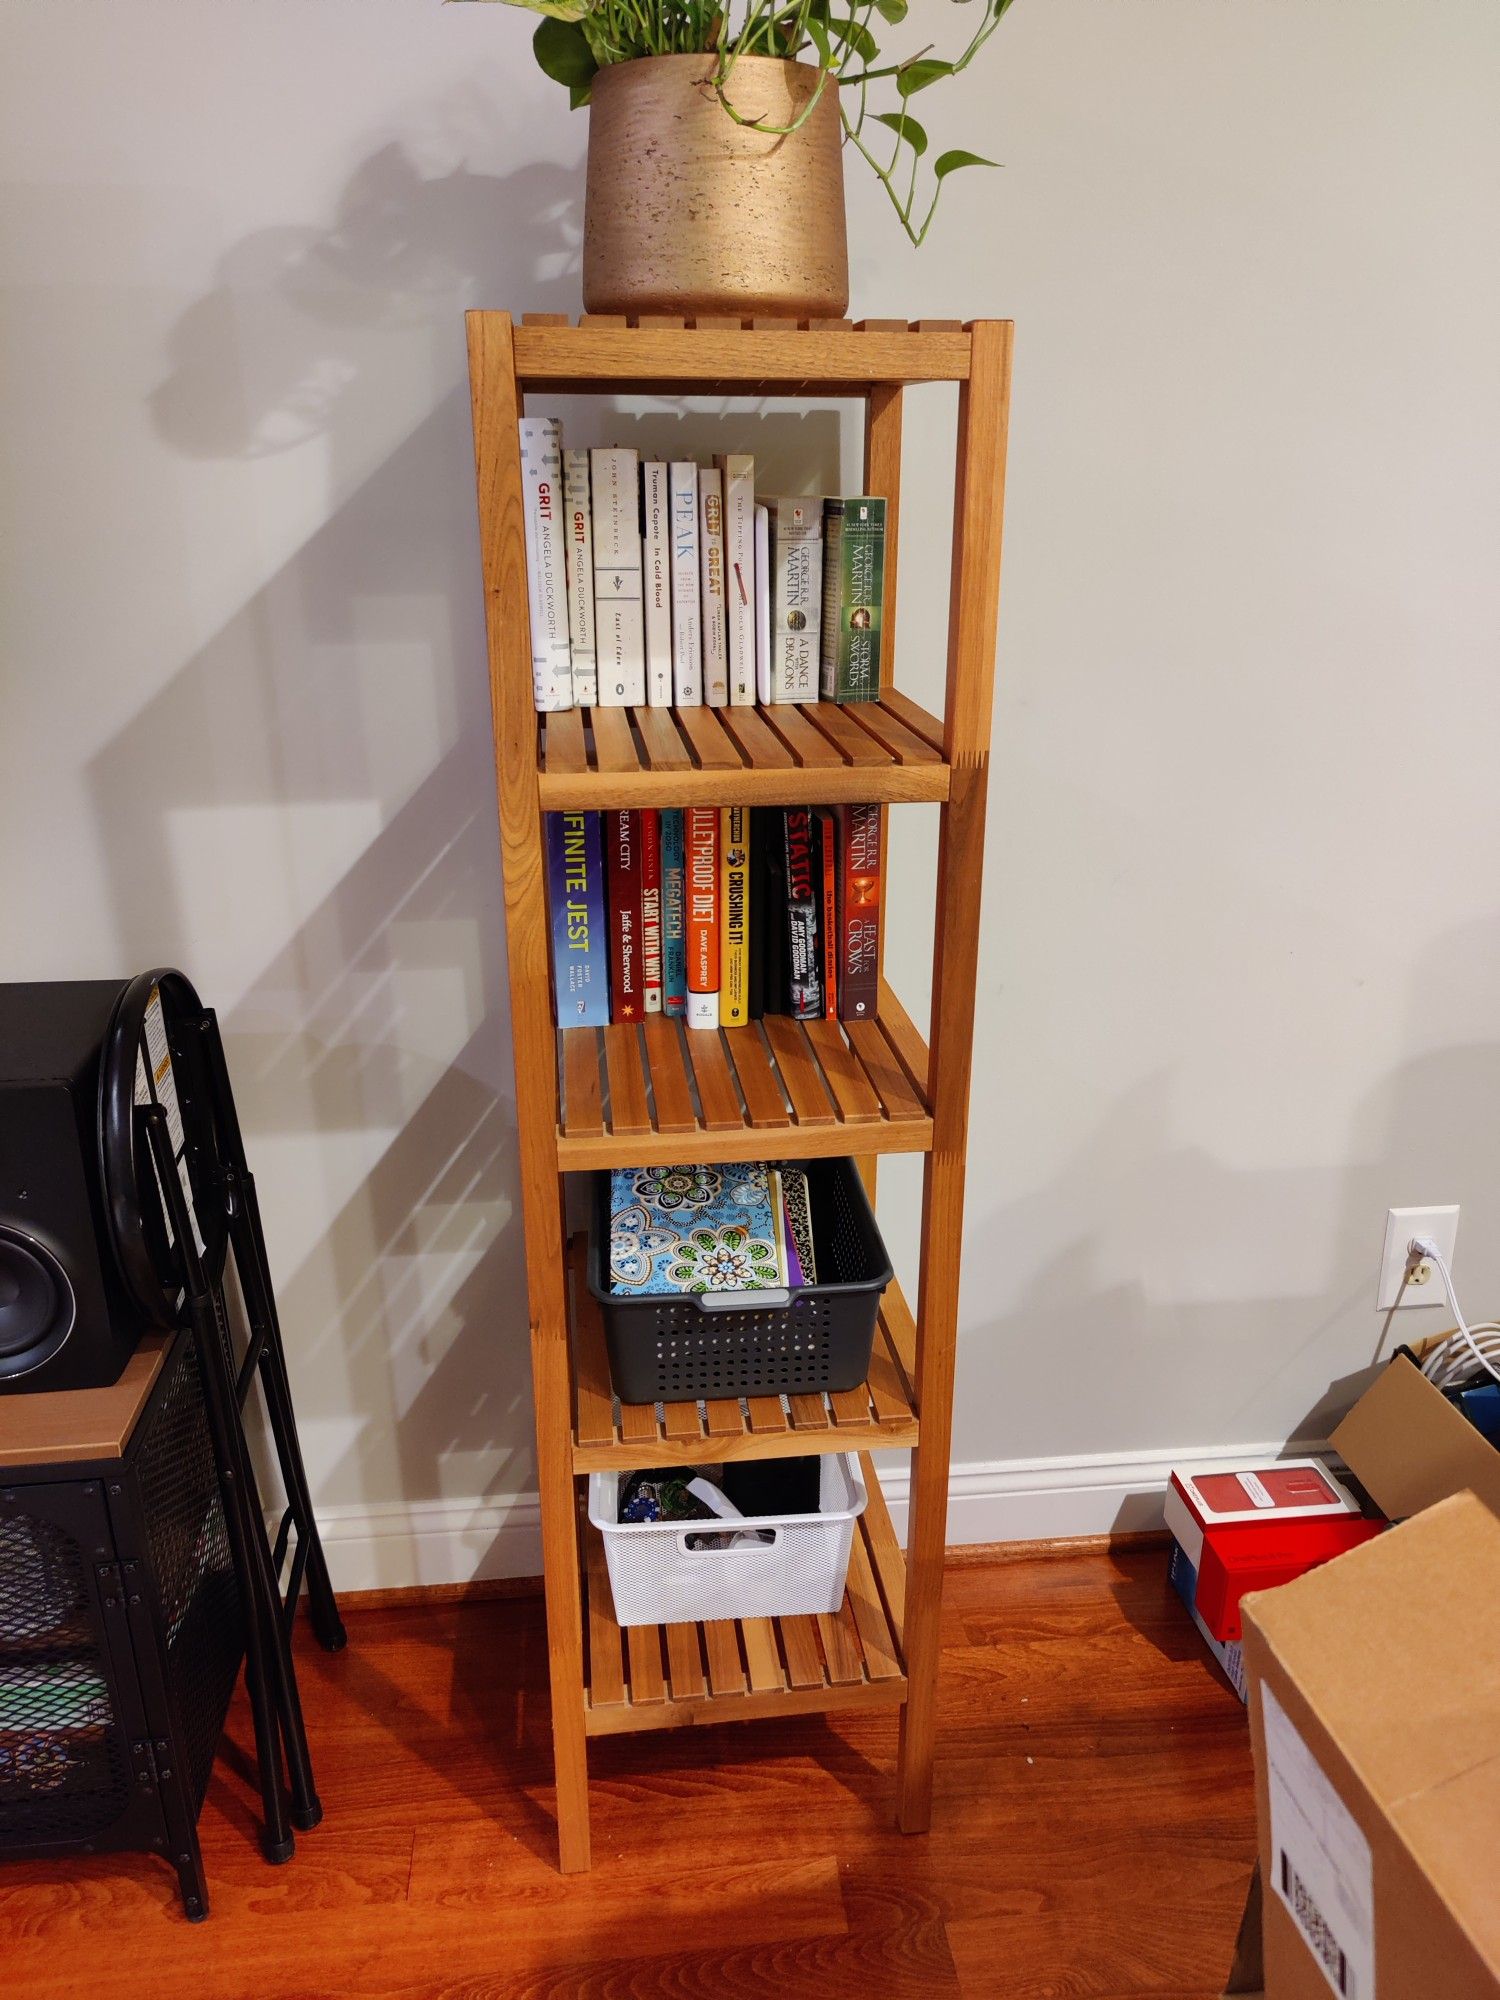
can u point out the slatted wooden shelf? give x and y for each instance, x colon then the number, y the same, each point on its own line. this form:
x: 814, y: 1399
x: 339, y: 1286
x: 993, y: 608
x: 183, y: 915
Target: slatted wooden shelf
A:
x: 605, y: 354
x: 664, y: 1093
x: 610, y: 1436
x: 793, y: 753
x: 731, y: 1670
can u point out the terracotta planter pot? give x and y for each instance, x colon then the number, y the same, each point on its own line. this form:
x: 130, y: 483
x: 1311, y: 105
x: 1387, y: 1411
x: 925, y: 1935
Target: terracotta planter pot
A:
x: 689, y: 212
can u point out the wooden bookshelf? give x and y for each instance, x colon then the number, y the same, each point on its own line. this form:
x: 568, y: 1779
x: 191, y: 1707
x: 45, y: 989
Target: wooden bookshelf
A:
x: 625, y: 1095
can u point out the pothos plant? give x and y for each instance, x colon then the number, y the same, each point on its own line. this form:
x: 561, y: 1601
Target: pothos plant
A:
x: 842, y: 39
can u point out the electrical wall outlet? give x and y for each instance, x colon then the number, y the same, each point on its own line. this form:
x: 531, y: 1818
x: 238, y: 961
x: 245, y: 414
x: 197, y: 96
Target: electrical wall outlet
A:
x: 1424, y: 1287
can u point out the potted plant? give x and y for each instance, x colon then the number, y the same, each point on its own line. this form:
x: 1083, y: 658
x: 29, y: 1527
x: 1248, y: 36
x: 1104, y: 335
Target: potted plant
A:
x: 715, y: 170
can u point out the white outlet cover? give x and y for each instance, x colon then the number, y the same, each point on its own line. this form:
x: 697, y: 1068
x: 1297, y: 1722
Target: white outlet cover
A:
x: 1401, y: 1225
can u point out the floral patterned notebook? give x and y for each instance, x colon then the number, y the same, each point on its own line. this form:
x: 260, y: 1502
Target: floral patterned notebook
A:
x: 696, y: 1229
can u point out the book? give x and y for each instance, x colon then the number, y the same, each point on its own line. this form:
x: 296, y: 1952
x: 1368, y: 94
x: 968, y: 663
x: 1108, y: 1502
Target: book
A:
x: 673, y: 914
x: 859, y: 912
x: 580, y: 948
x: 656, y: 518
x: 546, y: 565
x: 801, y: 1258
x: 700, y: 833
x: 623, y: 875
x: 737, y: 469
x: 734, y: 926
x: 687, y: 586
x: 649, y: 836
x: 711, y: 571
x: 804, y: 989
x: 853, y: 593
x: 796, y: 596
x: 619, y: 629
x: 579, y: 544
x: 827, y: 850
x: 695, y: 1229
x: 762, y: 603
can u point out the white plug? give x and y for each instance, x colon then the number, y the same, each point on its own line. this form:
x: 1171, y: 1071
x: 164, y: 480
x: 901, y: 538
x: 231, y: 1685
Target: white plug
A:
x: 1403, y: 1227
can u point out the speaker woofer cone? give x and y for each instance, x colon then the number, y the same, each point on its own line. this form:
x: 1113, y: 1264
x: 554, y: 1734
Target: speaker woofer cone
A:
x: 37, y: 1304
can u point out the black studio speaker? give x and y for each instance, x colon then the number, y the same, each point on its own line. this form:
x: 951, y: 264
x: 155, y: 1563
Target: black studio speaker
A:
x: 67, y: 1320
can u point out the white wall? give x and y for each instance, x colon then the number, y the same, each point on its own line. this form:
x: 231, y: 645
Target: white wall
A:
x: 1241, y: 964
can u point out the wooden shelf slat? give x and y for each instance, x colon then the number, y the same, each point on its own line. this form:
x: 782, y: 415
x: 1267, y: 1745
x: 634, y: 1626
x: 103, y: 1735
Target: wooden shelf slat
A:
x: 799, y: 1073
x: 711, y: 748
x: 610, y: 1437
x: 614, y: 746
x: 604, y: 353
x: 669, y: 1083
x: 759, y: 1082
x: 757, y: 1667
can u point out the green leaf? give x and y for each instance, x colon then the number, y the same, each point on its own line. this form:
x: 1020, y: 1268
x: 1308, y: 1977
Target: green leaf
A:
x: 949, y: 163
x: 564, y: 54
x: 905, y: 128
x: 855, y: 37
x: 915, y: 76
x: 891, y: 10
x: 579, y: 94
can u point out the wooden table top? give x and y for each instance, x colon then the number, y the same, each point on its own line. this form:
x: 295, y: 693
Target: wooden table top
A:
x: 70, y: 1424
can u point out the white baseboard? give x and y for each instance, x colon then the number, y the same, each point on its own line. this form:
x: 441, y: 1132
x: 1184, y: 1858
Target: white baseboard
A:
x: 398, y: 1545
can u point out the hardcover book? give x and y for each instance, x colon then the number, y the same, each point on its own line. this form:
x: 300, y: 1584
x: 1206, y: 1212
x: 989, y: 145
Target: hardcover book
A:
x: 762, y: 603
x: 737, y: 469
x: 734, y: 927
x: 715, y: 609
x: 657, y: 559
x: 580, y: 951
x: 859, y: 912
x: 648, y: 833
x: 796, y: 533
x: 673, y: 915
x: 853, y: 593
x: 687, y: 586
x: 700, y: 829
x: 623, y: 864
x: 696, y: 1229
x: 546, y: 565
x: 803, y: 890
x: 620, y: 632
x: 827, y: 850
x: 578, y: 508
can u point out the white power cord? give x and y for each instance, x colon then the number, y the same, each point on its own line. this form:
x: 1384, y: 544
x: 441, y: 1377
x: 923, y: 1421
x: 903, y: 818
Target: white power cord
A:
x: 1447, y: 1363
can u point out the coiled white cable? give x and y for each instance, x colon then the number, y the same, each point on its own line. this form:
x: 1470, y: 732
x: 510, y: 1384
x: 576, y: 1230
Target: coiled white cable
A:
x: 1454, y: 1358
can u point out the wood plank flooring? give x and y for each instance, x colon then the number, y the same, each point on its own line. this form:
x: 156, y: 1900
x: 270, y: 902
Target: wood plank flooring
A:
x: 1093, y: 1829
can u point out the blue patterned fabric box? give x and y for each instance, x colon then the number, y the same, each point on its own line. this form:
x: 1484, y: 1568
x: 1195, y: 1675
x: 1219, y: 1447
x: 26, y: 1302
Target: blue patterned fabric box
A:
x: 696, y: 1229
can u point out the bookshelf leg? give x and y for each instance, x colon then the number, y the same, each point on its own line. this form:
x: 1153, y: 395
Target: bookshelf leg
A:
x: 565, y: 1652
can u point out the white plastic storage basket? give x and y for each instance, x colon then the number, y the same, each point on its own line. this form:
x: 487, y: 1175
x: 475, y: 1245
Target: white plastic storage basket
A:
x: 659, y: 1577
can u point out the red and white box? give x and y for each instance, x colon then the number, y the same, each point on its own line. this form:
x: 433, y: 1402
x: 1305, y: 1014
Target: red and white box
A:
x: 1279, y: 1490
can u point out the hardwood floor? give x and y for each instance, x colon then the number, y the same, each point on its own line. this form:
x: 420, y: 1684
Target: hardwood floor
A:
x: 1093, y: 1829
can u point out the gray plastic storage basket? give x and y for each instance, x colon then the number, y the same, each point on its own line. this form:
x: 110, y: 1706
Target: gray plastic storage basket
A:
x: 679, y: 1347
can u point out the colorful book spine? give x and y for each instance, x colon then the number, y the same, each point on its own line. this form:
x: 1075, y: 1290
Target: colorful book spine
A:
x: 648, y: 834
x: 623, y: 860
x: 546, y: 564
x: 859, y: 912
x: 853, y: 593
x: 700, y: 831
x: 804, y: 989
x: 762, y: 602
x: 711, y: 571
x: 734, y: 917
x: 796, y: 597
x: 673, y: 915
x: 737, y: 469
x: 656, y: 517
x: 580, y: 949
x: 826, y: 848
x: 578, y: 508
x: 620, y: 633
x: 687, y: 586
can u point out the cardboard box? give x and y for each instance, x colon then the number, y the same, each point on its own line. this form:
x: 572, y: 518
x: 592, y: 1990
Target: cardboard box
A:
x: 1375, y: 1713
x: 1410, y: 1448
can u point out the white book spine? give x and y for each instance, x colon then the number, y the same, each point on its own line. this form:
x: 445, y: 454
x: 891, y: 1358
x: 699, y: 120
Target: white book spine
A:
x: 702, y: 1010
x: 762, y: 603
x: 546, y: 567
x: 711, y: 565
x: 657, y: 570
x: 687, y: 610
x: 738, y: 469
x: 796, y: 597
x: 580, y: 549
x: 620, y: 634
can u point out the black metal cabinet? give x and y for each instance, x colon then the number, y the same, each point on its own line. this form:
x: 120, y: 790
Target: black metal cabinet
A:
x: 120, y: 1640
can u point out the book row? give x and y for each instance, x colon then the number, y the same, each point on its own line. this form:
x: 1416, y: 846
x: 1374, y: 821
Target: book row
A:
x: 671, y: 584
x: 715, y: 915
